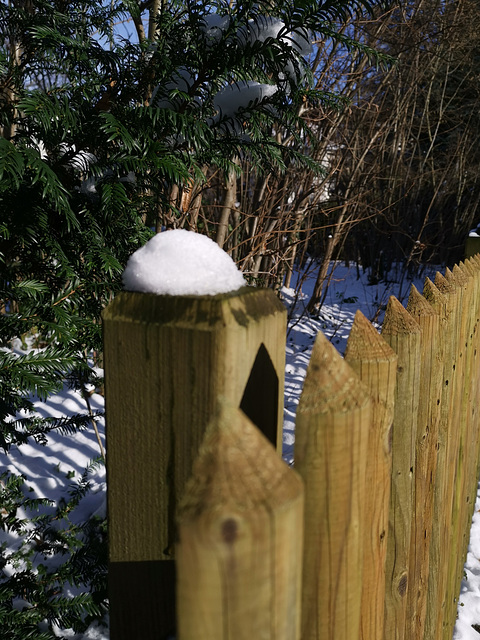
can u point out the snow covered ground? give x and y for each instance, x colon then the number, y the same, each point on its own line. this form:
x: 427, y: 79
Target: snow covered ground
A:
x: 52, y: 469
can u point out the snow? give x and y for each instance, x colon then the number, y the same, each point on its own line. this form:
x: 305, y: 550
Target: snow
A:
x: 264, y: 27
x: 182, y: 263
x: 51, y: 469
x: 260, y: 29
x: 302, y: 41
x: 182, y: 80
x: 214, y: 26
x: 241, y: 95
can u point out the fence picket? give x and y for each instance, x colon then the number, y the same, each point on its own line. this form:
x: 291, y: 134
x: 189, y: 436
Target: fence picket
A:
x: 468, y: 454
x: 425, y: 461
x: 333, y: 423
x: 239, y: 554
x: 460, y: 271
x: 470, y: 489
x: 460, y: 282
x: 444, y: 361
x: 403, y: 334
x: 375, y: 363
x: 474, y: 269
x: 452, y: 374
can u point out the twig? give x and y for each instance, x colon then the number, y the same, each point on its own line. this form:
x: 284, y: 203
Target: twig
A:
x: 92, y: 418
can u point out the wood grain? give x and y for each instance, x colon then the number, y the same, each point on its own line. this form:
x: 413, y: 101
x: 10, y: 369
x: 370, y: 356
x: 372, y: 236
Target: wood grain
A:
x: 167, y: 359
x: 375, y: 363
x: 239, y: 553
x: 333, y: 424
x: 403, y: 334
x: 426, y: 450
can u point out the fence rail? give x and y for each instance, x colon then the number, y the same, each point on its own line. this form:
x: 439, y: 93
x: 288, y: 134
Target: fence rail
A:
x: 364, y: 540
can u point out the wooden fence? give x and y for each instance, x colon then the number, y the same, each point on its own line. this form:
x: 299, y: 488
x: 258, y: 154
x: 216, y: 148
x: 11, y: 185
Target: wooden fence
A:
x: 364, y: 540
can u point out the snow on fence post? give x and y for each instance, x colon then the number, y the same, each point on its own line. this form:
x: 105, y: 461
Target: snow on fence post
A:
x: 333, y: 423
x: 428, y: 422
x: 375, y: 363
x: 403, y: 334
x: 240, y: 527
x: 167, y: 359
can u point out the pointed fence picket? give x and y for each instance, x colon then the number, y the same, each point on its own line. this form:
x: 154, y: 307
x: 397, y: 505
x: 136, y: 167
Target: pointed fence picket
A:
x: 331, y: 448
x: 428, y: 419
x: 375, y: 363
x: 238, y: 558
x: 444, y: 306
x: 403, y: 334
x: 365, y: 539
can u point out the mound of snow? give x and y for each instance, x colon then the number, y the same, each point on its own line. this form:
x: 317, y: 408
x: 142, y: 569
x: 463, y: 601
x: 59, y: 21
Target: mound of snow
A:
x: 181, y: 263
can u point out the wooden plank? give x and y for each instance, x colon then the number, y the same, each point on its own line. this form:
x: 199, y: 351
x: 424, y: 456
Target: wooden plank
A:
x: 427, y: 443
x: 403, y: 334
x: 474, y: 264
x: 461, y: 423
x: 468, y: 451
x: 333, y: 423
x: 375, y: 363
x: 240, y: 524
x: 167, y: 359
x: 435, y: 627
x: 470, y: 269
x: 438, y: 560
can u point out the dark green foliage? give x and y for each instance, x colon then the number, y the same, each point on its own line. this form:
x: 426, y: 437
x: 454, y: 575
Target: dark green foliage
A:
x: 96, y: 129
x: 32, y: 598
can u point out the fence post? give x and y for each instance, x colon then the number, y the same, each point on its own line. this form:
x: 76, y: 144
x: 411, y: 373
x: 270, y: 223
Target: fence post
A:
x: 240, y: 525
x: 403, y: 334
x: 425, y: 461
x: 331, y: 438
x: 375, y: 363
x: 167, y: 359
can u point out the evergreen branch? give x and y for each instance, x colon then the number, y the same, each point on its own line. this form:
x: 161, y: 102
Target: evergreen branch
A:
x: 36, y: 372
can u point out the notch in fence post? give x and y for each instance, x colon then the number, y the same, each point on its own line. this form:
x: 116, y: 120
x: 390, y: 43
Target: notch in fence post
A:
x: 403, y: 334
x: 167, y: 359
x: 375, y: 363
x: 240, y: 526
x: 331, y: 439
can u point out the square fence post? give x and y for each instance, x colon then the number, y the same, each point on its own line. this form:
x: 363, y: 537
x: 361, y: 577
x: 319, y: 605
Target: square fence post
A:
x: 167, y: 359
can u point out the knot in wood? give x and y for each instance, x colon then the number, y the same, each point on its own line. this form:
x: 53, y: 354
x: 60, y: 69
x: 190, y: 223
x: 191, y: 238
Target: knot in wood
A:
x: 402, y: 585
x: 229, y: 530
